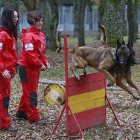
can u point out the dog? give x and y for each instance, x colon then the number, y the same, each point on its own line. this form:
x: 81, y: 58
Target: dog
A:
x: 123, y: 70
x: 115, y: 63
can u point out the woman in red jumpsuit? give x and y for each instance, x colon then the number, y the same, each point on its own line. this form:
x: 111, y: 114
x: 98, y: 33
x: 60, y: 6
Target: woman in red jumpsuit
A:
x: 31, y: 61
x: 8, y: 60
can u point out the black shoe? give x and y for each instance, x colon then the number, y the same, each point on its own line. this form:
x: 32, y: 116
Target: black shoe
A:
x: 40, y: 122
x: 11, y: 129
x: 21, y: 115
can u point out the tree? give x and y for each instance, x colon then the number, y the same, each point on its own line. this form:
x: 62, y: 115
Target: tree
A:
x: 53, y: 24
x: 132, y: 7
x: 101, y: 11
x: 114, y: 20
x: 8, y: 3
x: 27, y: 5
x: 136, y: 2
x: 81, y: 15
x: 44, y: 8
x: 76, y: 12
x: 90, y: 14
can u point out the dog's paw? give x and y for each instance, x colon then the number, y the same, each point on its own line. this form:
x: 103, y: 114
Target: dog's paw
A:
x: 109, y: 84
x: 85, y: 73
x: 77, y: 78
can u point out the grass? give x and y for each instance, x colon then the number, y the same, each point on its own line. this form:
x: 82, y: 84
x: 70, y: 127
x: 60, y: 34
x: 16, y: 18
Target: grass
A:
x: 136, y: 110
x: 95, y: 38
x: 71, y: 39
x: 59, y: 74
x: 54, y: 74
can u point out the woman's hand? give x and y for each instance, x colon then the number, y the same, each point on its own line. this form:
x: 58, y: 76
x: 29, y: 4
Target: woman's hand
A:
x: 48, y: 65
x: 6, y: 74
x: 43, y: 68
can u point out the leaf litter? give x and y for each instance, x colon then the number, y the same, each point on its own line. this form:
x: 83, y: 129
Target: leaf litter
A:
x: 125, y: 106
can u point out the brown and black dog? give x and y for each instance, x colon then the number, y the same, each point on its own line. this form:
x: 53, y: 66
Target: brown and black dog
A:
x: 115, y: 63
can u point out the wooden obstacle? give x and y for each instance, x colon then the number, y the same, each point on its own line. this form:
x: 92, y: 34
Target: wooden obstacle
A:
x: 85, y: 102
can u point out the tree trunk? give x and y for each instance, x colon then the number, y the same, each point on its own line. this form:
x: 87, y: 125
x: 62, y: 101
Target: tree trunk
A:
x: 132, y: 7
x: 114, y: 21
x: 90, y: 15
x: 76, y: 9
x: 34, y: 5
x: 101, y: 11
x: 44, y: 8
x: 130, y: 20
x: 27, y: 5
x: 81, y: 33
x: 53, y: 24
x: 136, y: 2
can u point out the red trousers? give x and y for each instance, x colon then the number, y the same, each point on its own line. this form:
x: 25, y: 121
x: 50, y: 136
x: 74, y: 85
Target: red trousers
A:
x: 28, y: 103
x: 5, y: 91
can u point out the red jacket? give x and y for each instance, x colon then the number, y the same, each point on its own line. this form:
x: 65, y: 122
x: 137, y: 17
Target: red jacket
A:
x: 33, y: 49
x: 8, y: 55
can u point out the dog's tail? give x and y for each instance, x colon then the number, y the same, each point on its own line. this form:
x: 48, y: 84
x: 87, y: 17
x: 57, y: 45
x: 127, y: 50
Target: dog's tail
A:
x: 103, y: 36
x: 61, y: 50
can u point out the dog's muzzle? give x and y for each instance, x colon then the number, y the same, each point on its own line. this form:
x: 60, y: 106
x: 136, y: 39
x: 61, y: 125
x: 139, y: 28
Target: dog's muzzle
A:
x: 122, y: 63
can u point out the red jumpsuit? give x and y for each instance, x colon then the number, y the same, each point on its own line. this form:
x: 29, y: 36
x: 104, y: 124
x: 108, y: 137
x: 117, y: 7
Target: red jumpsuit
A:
x: 30, y: 60
x: 8, y: 60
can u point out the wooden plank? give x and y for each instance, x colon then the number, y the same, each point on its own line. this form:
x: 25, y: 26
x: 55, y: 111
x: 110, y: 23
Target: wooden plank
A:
x: 88, y: 119
x: 77, y: 89
x: 87, y: 105
x: 93, y: 77
x: 87, y: 96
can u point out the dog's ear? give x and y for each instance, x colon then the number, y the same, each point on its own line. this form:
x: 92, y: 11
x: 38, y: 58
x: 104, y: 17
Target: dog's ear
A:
x: 118, y: 44
x: 113, y: 52
x: 123, y: 43
x: 130, y: 43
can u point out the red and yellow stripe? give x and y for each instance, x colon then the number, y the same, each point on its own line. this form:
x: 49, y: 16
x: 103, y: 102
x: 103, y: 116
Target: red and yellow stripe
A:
x: 87, y: 101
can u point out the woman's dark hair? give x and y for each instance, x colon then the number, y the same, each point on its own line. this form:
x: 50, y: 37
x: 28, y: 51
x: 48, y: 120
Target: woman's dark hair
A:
x: 34, y: 16
x: 7, y: 21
